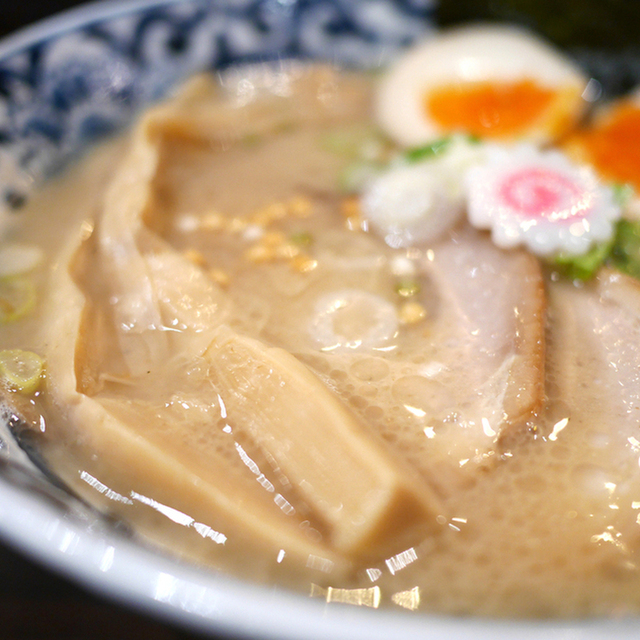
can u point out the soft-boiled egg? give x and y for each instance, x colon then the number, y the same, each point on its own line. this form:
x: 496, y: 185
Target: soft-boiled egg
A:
x: 611, y: 143
x: 488, y: 81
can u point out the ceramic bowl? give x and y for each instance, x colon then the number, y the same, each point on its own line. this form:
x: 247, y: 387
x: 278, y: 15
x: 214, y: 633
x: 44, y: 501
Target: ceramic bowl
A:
x: 66, y: 83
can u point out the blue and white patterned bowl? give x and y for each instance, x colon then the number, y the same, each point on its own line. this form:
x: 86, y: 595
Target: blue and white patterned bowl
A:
x: 85, y: 74
x: 66, y: 83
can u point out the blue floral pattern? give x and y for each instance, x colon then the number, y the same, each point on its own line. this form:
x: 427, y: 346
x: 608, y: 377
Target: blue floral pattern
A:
x: 62, y: 92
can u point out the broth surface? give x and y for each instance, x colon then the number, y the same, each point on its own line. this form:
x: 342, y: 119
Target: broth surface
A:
x: 539, y: 497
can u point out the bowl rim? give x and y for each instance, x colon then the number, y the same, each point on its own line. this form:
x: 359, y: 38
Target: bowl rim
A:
x: 208, y: 601
x: 203, y: 600
x: 70, y: 19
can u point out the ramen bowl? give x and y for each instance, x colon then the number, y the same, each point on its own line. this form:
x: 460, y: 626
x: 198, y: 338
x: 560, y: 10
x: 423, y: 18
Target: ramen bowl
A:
x: 68, y: 83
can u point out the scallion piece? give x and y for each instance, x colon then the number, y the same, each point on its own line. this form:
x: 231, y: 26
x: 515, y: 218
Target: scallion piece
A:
x: 21, y: 369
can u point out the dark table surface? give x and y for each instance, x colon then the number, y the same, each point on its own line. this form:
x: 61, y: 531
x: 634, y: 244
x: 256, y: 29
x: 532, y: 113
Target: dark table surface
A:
x: 34, y: 603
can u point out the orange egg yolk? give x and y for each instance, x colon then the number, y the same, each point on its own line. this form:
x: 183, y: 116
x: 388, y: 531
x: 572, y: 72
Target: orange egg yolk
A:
x: 613, y: 146
x: 489, y: 109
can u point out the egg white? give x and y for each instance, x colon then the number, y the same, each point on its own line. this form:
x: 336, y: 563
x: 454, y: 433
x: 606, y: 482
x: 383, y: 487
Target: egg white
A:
x: 468, y: 54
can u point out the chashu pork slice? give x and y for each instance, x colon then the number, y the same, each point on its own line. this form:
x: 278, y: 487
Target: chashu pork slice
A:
x: 475, y: 375
x: 138, y: 377
x: 594, y: 350
x: 594, y: 353
x: 493, y: 301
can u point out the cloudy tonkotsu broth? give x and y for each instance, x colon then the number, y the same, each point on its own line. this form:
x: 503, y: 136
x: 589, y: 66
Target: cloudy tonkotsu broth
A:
x: 241, y: 370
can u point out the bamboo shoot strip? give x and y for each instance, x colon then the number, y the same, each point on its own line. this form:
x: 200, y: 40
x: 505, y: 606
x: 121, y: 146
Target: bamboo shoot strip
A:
x: 366, y: 497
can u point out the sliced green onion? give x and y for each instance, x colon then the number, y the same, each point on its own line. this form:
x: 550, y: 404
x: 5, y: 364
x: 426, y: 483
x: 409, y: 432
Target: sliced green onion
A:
x: 426, y: 151
x: 408, y: 288
x: 625, y: 254
x: 21, y: 369
x: 585, y: 266
x: 622, y: 252
x: 17, y: 298
x: 301, y: 239
x: 416, y: 154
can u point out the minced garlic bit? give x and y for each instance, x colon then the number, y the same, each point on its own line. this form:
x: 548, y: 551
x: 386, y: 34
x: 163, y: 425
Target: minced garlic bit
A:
x: 236, y: 224
x: 220, y: 277
x: 260, y: 252
x: 274, y: 245
x: 300, y: 207
x: 303, y: 264
x: 269, y: 214
x: 22, y: 370
x: 266, y: 245
x: 196, y: 257
x: 191, y: 222
x: 412, y: 312
x: 212, y: 221
x: 273, y: 238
